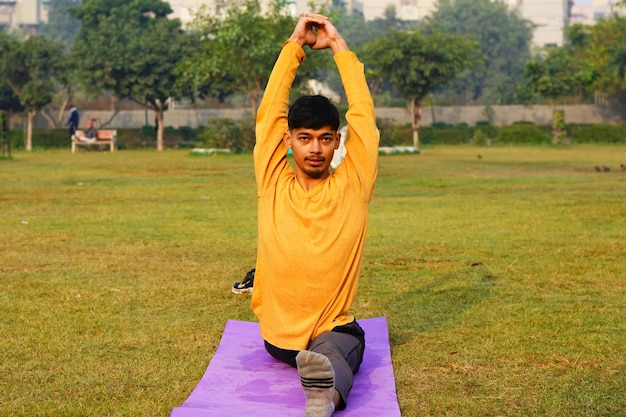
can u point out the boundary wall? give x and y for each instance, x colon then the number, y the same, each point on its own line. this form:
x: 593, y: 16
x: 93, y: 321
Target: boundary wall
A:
x: 501, y: 116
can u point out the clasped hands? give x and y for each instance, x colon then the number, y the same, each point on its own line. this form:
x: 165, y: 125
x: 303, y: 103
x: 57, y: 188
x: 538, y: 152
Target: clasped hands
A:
x: 324, y: 36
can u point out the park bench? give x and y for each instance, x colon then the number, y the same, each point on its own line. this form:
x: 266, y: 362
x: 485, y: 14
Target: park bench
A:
x: 103, y: 137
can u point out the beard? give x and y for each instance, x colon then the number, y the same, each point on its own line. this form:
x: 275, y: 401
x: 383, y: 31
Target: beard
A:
x: 316, y: 172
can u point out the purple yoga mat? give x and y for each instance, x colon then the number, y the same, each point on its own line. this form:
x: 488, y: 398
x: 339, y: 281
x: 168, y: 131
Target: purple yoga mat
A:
x: 244, y: 380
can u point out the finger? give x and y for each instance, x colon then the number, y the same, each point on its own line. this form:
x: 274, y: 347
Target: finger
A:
x: 316, y: 20
x: 315, y: 16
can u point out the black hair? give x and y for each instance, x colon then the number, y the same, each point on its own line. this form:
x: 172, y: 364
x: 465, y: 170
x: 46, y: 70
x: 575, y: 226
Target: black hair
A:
x: 313, y: 112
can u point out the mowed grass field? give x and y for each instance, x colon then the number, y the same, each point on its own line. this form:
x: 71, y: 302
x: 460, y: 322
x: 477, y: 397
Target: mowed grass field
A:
x: 503, y: 278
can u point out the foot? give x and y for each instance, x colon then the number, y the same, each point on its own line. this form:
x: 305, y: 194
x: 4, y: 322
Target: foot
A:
x: 318, y: 382
x: 245, y: 286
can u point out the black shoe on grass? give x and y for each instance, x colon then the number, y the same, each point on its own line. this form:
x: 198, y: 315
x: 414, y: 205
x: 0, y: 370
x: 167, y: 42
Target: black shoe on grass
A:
x: 246, y: 285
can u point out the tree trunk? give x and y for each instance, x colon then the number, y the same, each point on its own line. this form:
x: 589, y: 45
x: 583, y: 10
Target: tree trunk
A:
x: 51, y: 121
x: 558, y: 126
x: 67, y: 99
x: 255, y: 102
x: 29, y: 130
x: 432, y: 109
x: 159, y: 120
x: 415, y: 109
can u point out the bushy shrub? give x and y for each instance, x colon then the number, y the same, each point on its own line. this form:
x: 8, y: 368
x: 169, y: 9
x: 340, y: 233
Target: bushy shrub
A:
x: 481, y: 138
x: 446, y: 134
x: 558, y: 126
x: 622, y: 129
x: 248, y: 133
x: 45, y: 139
x: 189, y: 137
x: 4, y: 123
x: 385, y: 127
x: 137, y: 138
x: 236, y: 135
x: 598, y: 133
x: 522, y: 134
x: 394, y: 134
x: 484, y: 133
x: 17, y: 139
x: 403, y: 135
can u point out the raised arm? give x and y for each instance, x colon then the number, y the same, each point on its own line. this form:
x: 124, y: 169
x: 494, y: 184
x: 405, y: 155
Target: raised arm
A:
x: 363, y: 135
x: 271, y: 121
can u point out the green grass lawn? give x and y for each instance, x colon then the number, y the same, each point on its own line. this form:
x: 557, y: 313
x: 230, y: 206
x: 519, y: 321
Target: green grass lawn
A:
x: 503, y: 278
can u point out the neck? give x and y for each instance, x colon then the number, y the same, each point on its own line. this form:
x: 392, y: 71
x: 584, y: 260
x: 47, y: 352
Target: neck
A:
x: 308, y: 183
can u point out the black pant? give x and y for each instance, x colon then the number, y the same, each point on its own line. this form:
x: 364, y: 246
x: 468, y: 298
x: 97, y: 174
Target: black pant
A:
x: 344, y: 347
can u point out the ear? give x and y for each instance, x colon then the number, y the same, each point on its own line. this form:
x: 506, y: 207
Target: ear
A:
x: 338, y: 140
x: 287, y: 139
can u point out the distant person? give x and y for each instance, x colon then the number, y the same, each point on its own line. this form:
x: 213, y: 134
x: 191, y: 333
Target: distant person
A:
x: 90, y: 133
x: 73, y: 120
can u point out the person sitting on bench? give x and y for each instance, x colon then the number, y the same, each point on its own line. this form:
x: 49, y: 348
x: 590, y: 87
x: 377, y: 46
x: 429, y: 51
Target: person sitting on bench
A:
x: 90, y: 134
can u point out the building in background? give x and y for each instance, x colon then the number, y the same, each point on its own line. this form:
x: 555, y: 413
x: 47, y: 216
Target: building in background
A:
x: 410, y: 10
x: 549, y: 16
x: 25, y: 15
x: 591, y: 11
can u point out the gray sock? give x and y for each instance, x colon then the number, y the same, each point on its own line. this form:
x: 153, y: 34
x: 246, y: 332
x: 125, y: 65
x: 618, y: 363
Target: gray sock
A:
x: 318, y: 382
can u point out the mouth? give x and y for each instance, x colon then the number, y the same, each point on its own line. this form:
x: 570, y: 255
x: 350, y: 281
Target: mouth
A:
x: 315, y: 161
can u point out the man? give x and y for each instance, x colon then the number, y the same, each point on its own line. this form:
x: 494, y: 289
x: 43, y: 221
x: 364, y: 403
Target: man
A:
x: 312, y: 223
x: 72, y: 121
x: 90, y: 133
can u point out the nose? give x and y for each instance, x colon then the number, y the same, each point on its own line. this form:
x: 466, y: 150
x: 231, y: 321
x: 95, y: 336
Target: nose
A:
x: 316, y: 146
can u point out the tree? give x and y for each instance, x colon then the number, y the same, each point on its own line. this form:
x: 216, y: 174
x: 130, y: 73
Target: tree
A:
x: 8, y: 100
x: 606, y: 53
x: 563, y: 73
x: 504, y: 39
x: 131, y: 48
x: 238, y: 51
x: 30, y: 68
x: 415, y: 64
x: 61, y: 27
x: 357, y: 31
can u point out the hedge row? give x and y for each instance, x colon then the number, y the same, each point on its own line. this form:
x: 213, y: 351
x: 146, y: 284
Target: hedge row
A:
x: 238, y: 135
x: 522, y: 133
x: 126, y: 138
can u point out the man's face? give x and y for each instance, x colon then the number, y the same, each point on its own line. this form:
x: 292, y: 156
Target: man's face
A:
x: 313, y: 150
